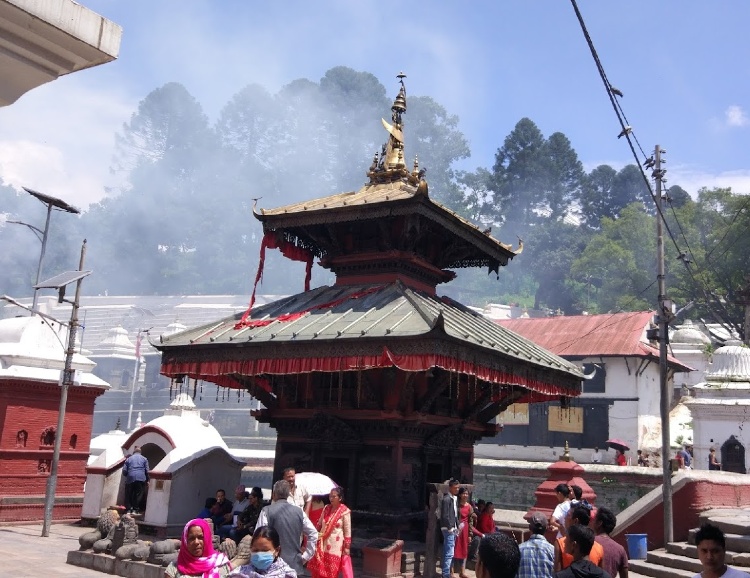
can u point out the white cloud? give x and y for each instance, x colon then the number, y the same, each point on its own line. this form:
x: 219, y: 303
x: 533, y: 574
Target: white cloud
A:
x: 735, y: 116
x: 59, y: 139
x: 693, y: 179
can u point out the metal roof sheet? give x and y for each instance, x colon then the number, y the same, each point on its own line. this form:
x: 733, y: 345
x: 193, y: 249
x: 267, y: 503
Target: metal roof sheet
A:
x: 369, y: 311
x: 613, y: 334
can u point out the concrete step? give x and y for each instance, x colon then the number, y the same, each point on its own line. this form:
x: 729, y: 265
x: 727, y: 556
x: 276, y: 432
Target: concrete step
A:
x: 661, y: 556
x: 731, y: 522
x: 647, y: 568
x: 690, y: 551
x: 739, y: 543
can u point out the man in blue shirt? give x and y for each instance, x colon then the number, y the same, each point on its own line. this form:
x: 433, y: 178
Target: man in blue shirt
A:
x: 537, y: 554
x: 135, y: 471
x: 687, y: 457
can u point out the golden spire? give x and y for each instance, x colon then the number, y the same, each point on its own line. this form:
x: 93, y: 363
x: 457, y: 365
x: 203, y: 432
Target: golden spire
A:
x: 390, y: 165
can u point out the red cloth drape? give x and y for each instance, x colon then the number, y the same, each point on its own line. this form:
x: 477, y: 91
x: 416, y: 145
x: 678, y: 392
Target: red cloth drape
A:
x: 290, y: 251
x: 221, y: 372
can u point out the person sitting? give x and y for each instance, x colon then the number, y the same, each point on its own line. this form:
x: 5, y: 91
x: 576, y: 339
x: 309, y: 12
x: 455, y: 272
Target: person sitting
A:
x: 248, y: 519
x: 620, y: 459
x: 197, y: 556
x: 206, y: 511
x: 578, y: 546
x: 265, y: 559
x: 579, y: 516
x: 486, y: 520
x: 220, y: 509
x: 498, y: 557
x: 238, y: 506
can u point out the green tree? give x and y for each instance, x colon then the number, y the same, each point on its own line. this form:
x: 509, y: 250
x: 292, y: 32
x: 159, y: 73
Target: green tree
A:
x: 623, y: 256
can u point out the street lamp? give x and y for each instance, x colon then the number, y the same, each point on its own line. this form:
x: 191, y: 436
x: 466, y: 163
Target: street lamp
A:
x: 50, y: 202
x: 60, y: 282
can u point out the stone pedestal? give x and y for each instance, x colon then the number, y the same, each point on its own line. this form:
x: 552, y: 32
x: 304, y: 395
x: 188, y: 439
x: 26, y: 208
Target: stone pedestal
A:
x: 381, y: 558
x: 562, y: 471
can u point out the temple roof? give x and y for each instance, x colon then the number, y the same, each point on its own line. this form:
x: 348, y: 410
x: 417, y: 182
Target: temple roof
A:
x: 579, y: 336
x: 379, y: 200
x: 384, y: 314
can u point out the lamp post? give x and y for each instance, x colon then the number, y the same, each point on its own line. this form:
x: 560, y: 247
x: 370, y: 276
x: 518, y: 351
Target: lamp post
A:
x: 59, y: 282
x: 50, y: 203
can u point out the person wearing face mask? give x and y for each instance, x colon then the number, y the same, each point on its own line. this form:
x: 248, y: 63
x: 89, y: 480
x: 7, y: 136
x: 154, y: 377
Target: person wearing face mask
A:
x: 265, y: 561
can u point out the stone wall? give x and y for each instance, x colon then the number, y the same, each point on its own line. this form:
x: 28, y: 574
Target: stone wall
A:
x: 510, y: 485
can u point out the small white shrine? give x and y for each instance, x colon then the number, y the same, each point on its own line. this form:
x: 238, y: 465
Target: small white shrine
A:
x: 692, y: 347
x: 720, y: 407
x: 188, y: 460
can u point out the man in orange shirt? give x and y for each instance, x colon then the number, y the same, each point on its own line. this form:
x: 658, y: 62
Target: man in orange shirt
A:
x: 579, y: 515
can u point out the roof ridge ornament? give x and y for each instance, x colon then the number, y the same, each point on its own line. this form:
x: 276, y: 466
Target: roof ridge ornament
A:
x: 388, y: 166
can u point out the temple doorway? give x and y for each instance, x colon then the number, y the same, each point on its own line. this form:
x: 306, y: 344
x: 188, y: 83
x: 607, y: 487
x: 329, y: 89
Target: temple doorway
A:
x: 733, y: 456
x: 337, y: 469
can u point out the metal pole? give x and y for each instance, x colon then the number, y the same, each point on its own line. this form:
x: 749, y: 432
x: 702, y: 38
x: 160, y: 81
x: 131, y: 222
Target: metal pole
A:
x: 663, y: 341
x: 135, y: 380
x: 41, y: 259
x: 49, y: 498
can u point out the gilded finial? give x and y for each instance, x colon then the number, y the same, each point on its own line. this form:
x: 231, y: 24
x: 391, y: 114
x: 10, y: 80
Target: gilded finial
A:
x: 566, y: 453
x: 390, y: 166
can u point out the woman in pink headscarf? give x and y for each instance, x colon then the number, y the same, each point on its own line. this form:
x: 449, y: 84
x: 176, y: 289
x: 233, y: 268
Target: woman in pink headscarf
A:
x: 197, y: 557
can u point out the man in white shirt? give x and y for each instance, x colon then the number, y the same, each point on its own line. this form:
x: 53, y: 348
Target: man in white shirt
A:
x: 596, y: 457
x: 711, y: 546
x: 562, y: 492
x: 299, y: 495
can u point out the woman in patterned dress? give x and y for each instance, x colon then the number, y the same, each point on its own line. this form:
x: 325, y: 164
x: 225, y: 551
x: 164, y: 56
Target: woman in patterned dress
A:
x: 334, y: 539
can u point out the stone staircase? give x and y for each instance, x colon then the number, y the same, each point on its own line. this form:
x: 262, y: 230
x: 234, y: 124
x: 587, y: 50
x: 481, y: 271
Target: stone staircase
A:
x: 680, y: 559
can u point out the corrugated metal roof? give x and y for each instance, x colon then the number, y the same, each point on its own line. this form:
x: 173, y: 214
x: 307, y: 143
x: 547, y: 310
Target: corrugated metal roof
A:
x: 614, y: 334
x: 370, y: 311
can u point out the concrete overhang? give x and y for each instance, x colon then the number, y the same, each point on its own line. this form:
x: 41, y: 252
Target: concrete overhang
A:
x: 41, y: 40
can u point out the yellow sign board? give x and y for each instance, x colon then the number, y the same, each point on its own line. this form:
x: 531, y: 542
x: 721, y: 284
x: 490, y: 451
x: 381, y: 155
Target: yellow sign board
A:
x: 568, y: 420
x: 515, y: 414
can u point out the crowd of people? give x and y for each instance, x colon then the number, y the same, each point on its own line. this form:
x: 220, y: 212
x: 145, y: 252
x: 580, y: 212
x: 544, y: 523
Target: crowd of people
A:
x: 285, y: 542
x: 684, y: 457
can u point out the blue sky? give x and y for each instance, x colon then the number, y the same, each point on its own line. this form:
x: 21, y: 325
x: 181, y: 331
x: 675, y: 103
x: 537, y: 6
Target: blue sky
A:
x: 684, y: 67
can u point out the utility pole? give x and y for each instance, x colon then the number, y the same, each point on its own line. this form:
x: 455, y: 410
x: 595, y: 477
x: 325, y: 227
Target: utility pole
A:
x: 665, y: 314
x: 67, y: 381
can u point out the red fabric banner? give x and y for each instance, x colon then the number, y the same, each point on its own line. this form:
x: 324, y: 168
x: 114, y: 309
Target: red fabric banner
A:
x: 290, y: 251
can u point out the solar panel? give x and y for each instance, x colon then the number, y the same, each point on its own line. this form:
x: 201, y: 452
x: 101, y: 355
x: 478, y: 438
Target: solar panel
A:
x: 62, y: 279
x: 54, y: 201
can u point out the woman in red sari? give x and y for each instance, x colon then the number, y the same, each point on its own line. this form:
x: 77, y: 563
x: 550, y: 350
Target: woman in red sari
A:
x: 467, y: 520
x: 334, y: 539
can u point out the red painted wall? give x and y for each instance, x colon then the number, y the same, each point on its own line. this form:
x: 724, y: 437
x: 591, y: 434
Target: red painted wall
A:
x: 688, y: 502
x: 32, y: 407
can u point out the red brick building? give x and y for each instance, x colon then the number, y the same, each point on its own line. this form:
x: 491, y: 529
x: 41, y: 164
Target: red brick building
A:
x: 31, y: 359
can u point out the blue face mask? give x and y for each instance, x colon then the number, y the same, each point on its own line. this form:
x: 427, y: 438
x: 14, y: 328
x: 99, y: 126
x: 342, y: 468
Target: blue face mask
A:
x: 262, y: 560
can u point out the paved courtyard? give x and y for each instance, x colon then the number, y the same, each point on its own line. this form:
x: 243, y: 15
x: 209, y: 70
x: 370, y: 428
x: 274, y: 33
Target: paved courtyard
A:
x: 26, y: 554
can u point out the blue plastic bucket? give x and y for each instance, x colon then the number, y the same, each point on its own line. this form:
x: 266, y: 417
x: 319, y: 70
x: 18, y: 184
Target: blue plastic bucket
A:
x: 637, y: 546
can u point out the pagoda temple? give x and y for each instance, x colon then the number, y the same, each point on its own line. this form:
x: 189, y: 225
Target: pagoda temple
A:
x: 376, y: 381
